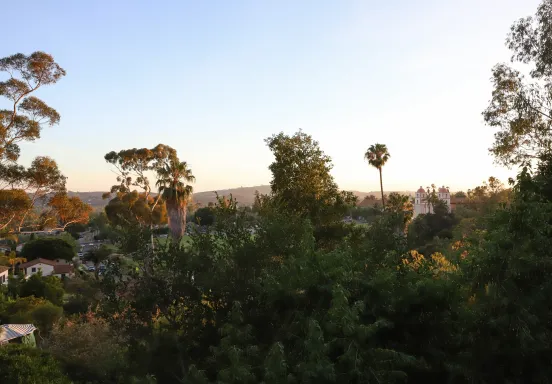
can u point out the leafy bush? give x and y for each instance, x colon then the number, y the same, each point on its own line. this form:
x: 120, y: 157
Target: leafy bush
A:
x: 26, y: 365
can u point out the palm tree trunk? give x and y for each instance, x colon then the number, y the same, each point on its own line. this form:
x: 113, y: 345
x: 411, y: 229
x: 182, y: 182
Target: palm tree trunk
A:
x: 381, y: 186
x: 176, y: 212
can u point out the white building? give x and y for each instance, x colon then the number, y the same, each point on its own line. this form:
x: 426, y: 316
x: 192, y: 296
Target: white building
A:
x: 422, y: 205
x: 47, y: 267
x: 4, y: 274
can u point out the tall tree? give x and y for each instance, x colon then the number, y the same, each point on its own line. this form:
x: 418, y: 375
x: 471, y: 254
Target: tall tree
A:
x: 377, y: 156
x: 172, y: 181
x: 301, y: 180
x: 133, y: 166
x: 402, y: 205
x: 520, y: 107
x: 23, y: 121
x: 27, y: 114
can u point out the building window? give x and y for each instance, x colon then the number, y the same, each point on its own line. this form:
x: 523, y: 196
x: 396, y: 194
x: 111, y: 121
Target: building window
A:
x: 33, y: 269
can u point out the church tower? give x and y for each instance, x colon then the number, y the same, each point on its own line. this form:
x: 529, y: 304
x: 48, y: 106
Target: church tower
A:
x: 420, y: 203
x: 444, y: 195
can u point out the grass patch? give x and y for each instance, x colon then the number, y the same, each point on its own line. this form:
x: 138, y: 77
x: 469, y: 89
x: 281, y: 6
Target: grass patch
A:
x: 185, y: 241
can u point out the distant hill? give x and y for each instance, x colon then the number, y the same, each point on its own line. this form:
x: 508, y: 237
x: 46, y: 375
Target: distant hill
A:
x: 244, y: 195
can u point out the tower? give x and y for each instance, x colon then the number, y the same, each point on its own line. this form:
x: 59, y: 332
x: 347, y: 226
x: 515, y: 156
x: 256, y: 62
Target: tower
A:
x: 444, y: 195
x: 420, y: 204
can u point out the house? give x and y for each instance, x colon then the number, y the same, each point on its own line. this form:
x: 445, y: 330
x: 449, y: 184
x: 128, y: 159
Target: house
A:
x: 38, y: 265
x: 17, y: 333
x: 47, y: 267
x: 63, y: 270
x: 4, y: 274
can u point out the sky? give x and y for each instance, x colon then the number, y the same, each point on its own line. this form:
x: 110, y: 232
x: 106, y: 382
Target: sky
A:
x: 213, y: 79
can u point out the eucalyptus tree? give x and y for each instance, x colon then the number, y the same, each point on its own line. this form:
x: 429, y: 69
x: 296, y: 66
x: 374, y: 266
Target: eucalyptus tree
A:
x: 520, y: 106
x: 27, y: 114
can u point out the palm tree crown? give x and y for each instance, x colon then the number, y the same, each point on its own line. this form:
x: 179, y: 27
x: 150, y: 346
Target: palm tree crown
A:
x: 172, y: 181
x: 172, y: 178
x: 377, y: 155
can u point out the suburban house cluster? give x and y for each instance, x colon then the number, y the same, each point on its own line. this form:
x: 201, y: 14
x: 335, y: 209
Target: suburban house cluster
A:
x: 59, y: 268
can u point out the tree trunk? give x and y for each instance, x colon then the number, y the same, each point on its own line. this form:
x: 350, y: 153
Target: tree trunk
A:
x: 381, y: 186
x: 176, y: 212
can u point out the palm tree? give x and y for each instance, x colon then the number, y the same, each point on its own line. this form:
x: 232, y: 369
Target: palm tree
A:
x: 377, y: 155
x: 172, y: 179
x: 401, y: 204
x: 14, y: 260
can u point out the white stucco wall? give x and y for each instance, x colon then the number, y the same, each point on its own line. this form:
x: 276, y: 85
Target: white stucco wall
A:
x: 422, y: 207
x: 4, y: 277
x: 45, y: 268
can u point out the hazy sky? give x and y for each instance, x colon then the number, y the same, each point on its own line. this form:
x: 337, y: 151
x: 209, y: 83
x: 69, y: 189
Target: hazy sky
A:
x: 214, y: 78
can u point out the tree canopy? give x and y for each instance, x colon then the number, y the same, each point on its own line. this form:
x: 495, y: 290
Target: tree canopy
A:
x: 28, y: 114
x: 301, y: 179
x: 51, y: 248
x: 520, y: 106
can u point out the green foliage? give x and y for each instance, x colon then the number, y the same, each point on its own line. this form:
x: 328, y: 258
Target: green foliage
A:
x: 27, y: 114
x: 301, y: 183
x: 204, y: 216
x: 275, y: 307
x: 519, y: 107
x: 49, y: 288
x: 89, y: 350
x: 31, y: 310
x: 368, y: 214
x: 131, y: 208
x: 424, y: 229
x: 25, y: 365
x: 400, y: 205
x: 83, y: 294
x: 49, y: 248
x: 132, y: 167
x: 508, y: 268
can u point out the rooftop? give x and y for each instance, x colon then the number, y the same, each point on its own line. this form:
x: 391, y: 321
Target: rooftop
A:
x: 63, y: 268
x: 38, y: 261
x: 13, y: 331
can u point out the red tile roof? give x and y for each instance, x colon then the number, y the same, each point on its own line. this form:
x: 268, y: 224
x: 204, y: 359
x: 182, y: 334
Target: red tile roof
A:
x: 37, y: 261
x: 3, y: 268
x: 421, y: 190
x: 63, y: 268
